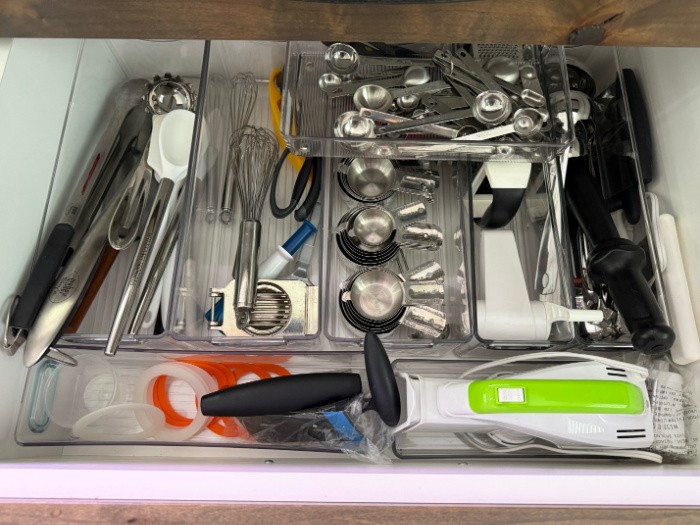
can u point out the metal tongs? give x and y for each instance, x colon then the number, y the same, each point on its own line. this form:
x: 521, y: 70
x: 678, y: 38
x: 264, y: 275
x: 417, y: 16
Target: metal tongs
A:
x: 130, y: 215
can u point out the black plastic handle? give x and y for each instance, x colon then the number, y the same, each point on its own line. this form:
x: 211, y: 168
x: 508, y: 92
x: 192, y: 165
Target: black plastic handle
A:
x: 42, y: 277
x: 304, y: 211
x: 506, y: 203
x: 617, y: 263
x: 297, y: 191
x: 282, y: 395
x: 382, y: 382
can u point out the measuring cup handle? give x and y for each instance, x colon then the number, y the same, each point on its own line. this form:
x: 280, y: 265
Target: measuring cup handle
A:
x: 426, y: 320
x: 431, y: 292
x: 420, y: 236
x: 411, y: 212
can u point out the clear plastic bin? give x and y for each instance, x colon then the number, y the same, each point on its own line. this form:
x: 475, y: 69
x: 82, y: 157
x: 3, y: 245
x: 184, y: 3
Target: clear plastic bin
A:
x: 312, y: 134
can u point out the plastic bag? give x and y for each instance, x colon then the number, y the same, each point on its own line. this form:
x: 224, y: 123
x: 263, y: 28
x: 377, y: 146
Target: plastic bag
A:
x: 346, y: 427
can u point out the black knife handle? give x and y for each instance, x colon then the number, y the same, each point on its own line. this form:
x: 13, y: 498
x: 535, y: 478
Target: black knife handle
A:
x: 42, y: 277
x: 618, y: 263
x: 281, y: 395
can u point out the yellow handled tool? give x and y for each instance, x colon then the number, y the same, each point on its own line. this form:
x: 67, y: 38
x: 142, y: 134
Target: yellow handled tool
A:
x: 275, y: 96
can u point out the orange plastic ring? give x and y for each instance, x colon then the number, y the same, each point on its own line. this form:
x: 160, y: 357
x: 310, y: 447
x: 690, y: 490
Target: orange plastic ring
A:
x: 226, y: 375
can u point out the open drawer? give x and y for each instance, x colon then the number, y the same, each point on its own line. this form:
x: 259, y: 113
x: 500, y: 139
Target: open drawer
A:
x: 241, y: 474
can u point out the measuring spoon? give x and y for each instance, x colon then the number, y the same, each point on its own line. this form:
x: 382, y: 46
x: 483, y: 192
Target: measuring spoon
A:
x: 344, y: 59
x: 373, y: 96
x: 526, y: 123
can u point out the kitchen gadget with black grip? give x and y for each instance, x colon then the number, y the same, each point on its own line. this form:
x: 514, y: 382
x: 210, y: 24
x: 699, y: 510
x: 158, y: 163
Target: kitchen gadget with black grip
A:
x: 616, y: 262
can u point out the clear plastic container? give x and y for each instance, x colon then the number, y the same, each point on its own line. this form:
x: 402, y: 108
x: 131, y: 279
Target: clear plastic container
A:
x: 447, y: 211
x: 530, y: 265
x: 308, y: 115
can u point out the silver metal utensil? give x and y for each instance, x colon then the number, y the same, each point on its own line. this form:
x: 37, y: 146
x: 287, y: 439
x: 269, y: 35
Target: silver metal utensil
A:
x: 373, y: 96
x: 334, y: 89
x: 375, y: 180
x: 169, y: 93
x: 435, y: 129
x: 378, y: 300
x: 244, y: 93
x: 160, y: 262
x: 374, y: 227
x: 69, y: 287
x: 216, y: 114
x: 130, y: 214
x: 258, y: 155
x: 503, y: 68
x: 174, y: 136
x: 526, y: 123
x: 345, y: 60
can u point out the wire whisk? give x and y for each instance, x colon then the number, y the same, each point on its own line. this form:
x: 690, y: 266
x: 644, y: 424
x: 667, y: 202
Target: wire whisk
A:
x: 244, y: 93
x: 254, y: 153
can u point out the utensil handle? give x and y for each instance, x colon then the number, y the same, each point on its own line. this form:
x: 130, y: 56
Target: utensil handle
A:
x: 246, y: 270
x: 429, y: 271
x: 382, y: 382
x: 281, y: 395
x: 138, y: 265
x: 616, y: 263
x: 68, y: 288
x: 420, y: 236
x: 424, y: 292
x: 42, y: 276
x: 108, y: 257
x: 426, y: 320
x: 155, y: 275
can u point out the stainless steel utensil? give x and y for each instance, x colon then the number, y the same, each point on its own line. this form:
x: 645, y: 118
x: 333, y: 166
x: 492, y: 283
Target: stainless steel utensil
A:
x: 244, y: 93
x: 169, y: 93
x: 378, y: 300
x: 282, y: 307
x: 503, y: 68
x: 127, y: 220
x: 373, y: 96
x: 174, y: 138
x: 375, y: 180
x: 354, y: 125
x: 160, y: 262
x: 217, y: 111
x: 345, y: 60
x: 258, y: 154
x: 372, y: 228
x: 371, y: 115
x: 526, y: 123
x: 333, y: 88
x: 69, y: 287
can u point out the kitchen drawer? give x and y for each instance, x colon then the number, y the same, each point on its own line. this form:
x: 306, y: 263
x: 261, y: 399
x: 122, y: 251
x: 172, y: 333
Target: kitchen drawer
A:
x: 198, y: 473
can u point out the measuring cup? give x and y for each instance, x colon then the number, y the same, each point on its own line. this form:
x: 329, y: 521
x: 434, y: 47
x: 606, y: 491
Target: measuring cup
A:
x: 169, y: 157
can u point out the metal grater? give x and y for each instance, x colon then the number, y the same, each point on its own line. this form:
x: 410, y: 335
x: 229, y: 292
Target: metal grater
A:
x: 484, y: 52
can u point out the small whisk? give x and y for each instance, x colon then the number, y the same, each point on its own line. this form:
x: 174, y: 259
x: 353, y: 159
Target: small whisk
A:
x: 254, y: 151
x: 217, y: 113
x: 244, y: 93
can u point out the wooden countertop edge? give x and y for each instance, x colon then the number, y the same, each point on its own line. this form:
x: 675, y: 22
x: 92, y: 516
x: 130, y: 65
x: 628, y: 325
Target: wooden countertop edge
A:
x: 618, y: 22
x: 213, y: 514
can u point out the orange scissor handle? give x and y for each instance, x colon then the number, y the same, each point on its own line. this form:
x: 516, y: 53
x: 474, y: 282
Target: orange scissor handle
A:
x: 275, y: 96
